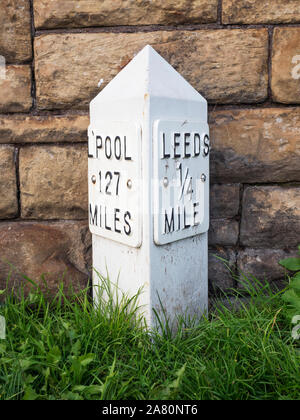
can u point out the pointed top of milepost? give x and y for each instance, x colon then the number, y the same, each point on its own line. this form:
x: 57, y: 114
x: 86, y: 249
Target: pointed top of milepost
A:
x: 148, y: 73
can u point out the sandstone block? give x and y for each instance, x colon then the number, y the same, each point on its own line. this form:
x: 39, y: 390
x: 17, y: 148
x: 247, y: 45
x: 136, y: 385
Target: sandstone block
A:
x: 223, y: 232
x: 15, y: 30
x: 53, y: 182
x: 68, y: 66
x: 48, y: 253
x: 8, y: 183
x: 270, y: 217
x: 286, y: 65
x: 15, y: 89
x: 262, y: 264
x: 255, y: 145
x: 261, y: 11
x: 41, y: 129
x: 224, y: 200
x: 81, y: 13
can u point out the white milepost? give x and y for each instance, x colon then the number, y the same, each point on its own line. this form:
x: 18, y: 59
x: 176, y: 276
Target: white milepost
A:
x: 149, y: 187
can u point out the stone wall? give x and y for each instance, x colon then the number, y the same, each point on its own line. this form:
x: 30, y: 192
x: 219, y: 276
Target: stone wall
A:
x: 242, y: 55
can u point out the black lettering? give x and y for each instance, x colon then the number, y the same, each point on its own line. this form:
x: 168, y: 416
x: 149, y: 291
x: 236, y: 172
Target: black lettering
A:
x: 186, y: 144
x: 127, y: 228
x: 197, y: 142
x: 118, y: 149
x: 100, y: 216
x: 94, y: 217
x: 109, y: 177
x: 165, y: 155
x: 98, y: 145
x: 195, y: 205
x: 186, y: 226
x: 100, y: 181
x: 118, y: 182
x: 125, y: 149
x: 169, y: 224
x: 116, y: 219
x: 90, y: 155
x: 108, y: 152
x: 179, y: 218
x: 176, y: 145
x: 106, y: 225
x: 206, y: 149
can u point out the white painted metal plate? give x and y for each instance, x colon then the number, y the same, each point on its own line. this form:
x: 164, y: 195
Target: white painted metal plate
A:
x: 181, y: 180
x: 115, y: 182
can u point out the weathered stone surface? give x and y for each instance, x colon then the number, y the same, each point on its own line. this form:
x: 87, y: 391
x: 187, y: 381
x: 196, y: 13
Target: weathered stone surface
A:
x: 223, y: 232
x: 271, y: 217
x: 40, y: 129
x: 77, y: 13
x: 58, y: 252
x: 286, y: 65
x: 68, y: 66
x: 15, y: 30
x: 15, y: 89
x: 255, y: 145
x: 53, y: 182
x: 8, y: 183
x: 262, y: 264
x: 219, y: 275
x: 224, y: 200
x: 261, y: 11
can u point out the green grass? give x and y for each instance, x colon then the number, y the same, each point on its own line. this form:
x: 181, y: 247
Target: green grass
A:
x: 73, y: 351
